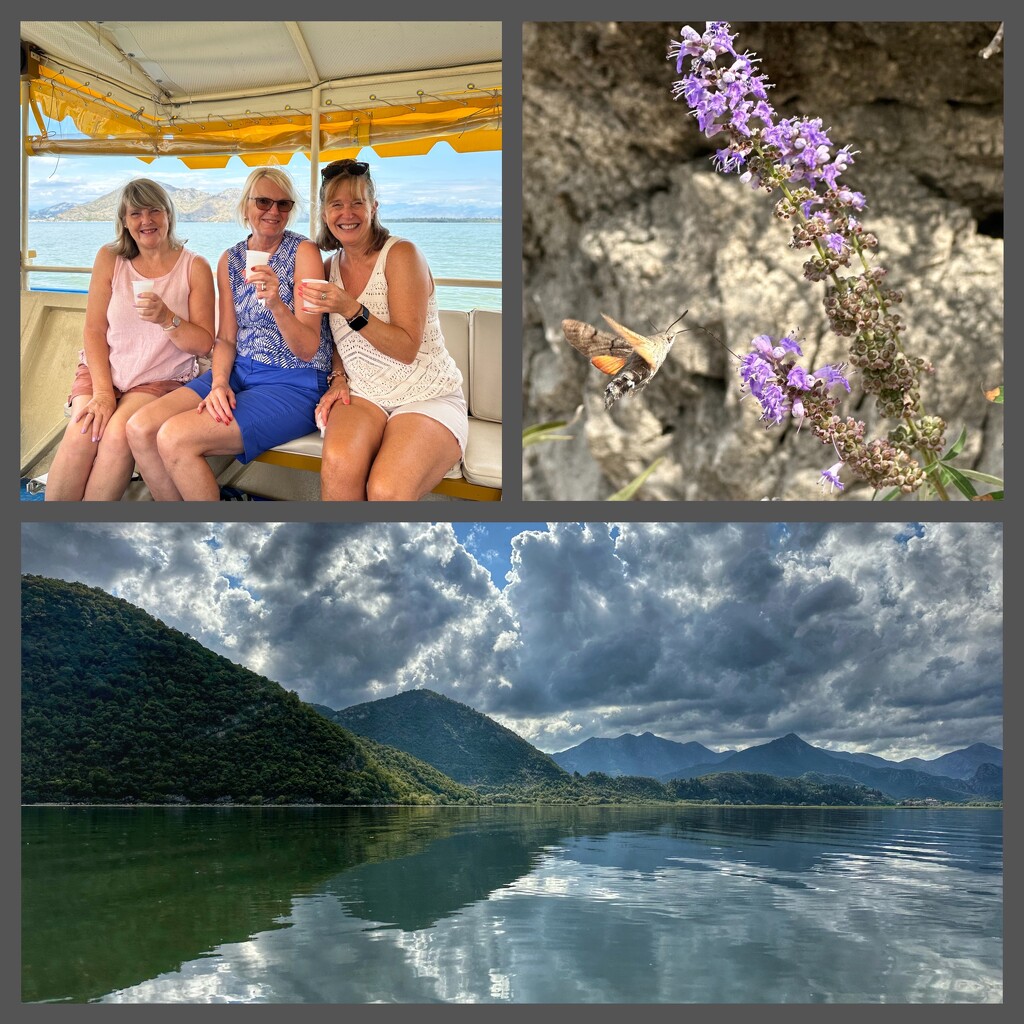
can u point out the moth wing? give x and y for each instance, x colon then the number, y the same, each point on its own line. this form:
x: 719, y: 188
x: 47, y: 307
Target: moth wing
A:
x: 651, y: 350
x: 609, y: 364
x: 605, y: 351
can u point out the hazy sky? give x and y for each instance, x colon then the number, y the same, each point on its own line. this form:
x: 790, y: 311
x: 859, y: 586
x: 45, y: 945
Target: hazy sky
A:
x: 876, y: 637
x: 463, y: 184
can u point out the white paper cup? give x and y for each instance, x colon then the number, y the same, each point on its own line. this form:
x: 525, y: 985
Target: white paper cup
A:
x: 255, y: 259
x: 312, y: 290
x: 145, y: 285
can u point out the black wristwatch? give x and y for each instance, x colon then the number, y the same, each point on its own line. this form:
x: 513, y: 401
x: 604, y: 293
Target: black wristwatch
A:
x: 360, y: 320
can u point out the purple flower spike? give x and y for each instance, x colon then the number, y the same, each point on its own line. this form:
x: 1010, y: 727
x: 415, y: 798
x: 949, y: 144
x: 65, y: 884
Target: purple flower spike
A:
x: 795, y: 158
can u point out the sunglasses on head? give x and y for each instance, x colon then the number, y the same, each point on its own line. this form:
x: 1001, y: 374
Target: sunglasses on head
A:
x: 264, y: 203
x: 353, y: 167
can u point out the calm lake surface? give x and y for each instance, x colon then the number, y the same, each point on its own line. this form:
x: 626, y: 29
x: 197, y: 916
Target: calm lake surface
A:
x: 452, y: 249
x: 516, y: 905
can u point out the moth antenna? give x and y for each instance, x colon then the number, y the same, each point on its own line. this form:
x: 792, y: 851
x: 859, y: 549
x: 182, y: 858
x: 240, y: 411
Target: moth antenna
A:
x: 674, y: 322
x: 670, y: 326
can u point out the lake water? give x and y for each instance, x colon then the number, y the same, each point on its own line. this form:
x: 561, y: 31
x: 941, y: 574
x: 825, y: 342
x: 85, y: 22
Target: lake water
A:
x: 452, y: 249
x: 511, y: 905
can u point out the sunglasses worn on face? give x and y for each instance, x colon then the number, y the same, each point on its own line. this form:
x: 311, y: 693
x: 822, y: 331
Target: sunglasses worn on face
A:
x: 353, y: 167
x: 284, y: 205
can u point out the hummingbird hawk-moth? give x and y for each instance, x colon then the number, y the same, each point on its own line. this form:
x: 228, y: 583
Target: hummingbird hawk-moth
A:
x: 630, y: 359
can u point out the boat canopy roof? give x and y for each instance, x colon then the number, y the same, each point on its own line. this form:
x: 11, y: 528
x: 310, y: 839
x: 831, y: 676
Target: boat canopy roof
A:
x: 263, y: 90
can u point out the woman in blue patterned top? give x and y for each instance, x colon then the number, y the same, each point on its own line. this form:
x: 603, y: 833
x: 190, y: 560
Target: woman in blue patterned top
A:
x: 270, y: 361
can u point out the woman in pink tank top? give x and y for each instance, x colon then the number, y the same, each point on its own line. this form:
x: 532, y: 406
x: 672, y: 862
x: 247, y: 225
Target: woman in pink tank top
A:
x: 148, y: 316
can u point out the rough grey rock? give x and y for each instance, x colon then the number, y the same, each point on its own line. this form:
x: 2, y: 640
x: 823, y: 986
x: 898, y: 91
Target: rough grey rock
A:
x: 624, y: 215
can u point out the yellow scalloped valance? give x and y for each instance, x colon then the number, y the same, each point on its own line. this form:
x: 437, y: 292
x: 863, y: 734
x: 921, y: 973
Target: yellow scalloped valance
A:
x: 468, y: 122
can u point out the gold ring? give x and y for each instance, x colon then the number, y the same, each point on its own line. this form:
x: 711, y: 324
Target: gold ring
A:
x: 263, y: 286
x: 323, y: 296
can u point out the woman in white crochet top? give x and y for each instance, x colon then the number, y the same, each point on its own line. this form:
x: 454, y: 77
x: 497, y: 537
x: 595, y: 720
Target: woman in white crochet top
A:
x: 405, y: 425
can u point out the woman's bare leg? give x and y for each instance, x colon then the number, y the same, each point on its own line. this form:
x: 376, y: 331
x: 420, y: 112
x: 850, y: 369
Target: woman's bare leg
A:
x: 142, y: 430
x: 87, y: 470
x: 414, y: 456
x: 185, y: 440
x: 350, y: 445
x: 112, y: 470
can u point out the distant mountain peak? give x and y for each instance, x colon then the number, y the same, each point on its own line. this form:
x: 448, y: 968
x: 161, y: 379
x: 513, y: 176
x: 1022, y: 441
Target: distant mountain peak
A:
x: 647, y: 755
x: 791, y: 740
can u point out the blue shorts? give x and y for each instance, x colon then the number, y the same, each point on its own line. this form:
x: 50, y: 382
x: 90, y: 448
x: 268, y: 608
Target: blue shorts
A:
x: 274, y: 404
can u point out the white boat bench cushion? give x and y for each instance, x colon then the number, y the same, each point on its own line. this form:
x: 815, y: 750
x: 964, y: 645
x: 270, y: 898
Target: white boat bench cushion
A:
x: 479, y: 359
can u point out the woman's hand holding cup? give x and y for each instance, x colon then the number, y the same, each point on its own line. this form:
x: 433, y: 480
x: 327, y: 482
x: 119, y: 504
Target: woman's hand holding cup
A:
x: 253, y: 259
x: 148, y: 304
x: 317, y: 295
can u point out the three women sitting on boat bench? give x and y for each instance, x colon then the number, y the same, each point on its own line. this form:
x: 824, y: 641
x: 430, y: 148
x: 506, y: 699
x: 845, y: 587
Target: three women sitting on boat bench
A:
x: 351, y: 344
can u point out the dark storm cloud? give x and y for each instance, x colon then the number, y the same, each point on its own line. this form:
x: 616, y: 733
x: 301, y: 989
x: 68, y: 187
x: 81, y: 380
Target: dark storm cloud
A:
x: 788, y: 625
x: 87, y: 550
x: 865, y: 636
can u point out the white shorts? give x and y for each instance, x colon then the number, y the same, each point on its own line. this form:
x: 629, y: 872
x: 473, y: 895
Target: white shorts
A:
x: 448, y: 409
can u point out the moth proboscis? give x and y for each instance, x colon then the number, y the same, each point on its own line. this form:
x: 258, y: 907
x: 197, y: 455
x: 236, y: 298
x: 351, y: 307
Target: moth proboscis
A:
x: 631, y: 359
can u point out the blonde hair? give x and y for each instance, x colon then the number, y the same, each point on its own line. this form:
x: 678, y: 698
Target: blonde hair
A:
x: 281, y: 179
x: 143, y: 194
x: 324, y: 238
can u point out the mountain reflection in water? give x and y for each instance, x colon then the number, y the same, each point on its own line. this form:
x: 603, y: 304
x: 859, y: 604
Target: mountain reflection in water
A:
x: 507, y: 904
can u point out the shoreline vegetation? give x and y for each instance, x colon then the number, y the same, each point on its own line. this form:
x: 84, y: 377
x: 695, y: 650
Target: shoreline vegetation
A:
x: 996, y: 805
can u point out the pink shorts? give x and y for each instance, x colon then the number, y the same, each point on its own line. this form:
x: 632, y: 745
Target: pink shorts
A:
x: 83, y: 386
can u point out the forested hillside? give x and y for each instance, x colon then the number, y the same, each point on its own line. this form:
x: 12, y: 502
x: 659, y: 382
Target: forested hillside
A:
x: 116, y: 705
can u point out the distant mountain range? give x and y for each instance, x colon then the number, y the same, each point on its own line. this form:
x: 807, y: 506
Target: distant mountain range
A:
x: 118, y: 707
x: 959, y: 775
x: 192, y: 205
x: 636, y: 755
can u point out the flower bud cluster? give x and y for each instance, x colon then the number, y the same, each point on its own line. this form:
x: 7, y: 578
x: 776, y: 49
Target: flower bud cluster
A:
x: 880, y: 462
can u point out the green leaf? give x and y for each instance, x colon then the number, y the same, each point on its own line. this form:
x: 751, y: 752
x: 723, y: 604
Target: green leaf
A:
x: 540, y: 428
x: 963, y: 485
x: 991, y: 496
x: 956, y: 447
x: 995, y: 395
x: 546, y: 437
x: 633, y: 486
x: 891, y: 495
x: 544, y: 432
x: 985, y: 478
